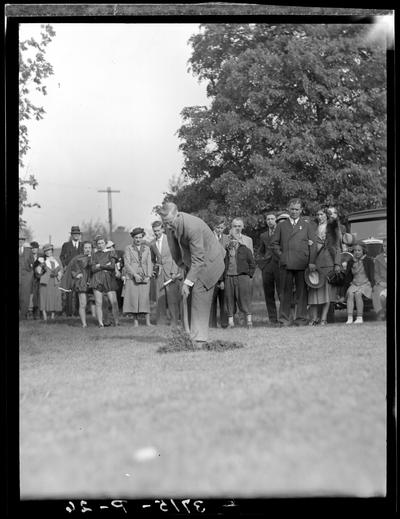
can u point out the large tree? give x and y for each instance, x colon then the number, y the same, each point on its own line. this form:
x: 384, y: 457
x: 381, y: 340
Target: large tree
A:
x: 295, y: 110
x: 34, y: 69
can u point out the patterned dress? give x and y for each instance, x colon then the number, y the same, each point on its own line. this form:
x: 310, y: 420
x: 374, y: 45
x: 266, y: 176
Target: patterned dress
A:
x: 360, y: 282
x: 325, y: 261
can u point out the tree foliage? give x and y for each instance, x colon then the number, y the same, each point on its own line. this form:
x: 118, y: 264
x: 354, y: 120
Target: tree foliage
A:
x: 34, y: 69
x: 91, y: 229
x: 295, y: 110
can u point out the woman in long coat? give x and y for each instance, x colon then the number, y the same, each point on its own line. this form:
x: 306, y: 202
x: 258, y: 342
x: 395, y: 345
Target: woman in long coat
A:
x: 50, y: 271
x: 138, y: 269
x: 327, y: 237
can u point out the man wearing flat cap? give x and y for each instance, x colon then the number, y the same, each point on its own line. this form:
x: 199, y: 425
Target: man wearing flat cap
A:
x: 25, y: 275
x: 195, y: 248
x: 69, y: 250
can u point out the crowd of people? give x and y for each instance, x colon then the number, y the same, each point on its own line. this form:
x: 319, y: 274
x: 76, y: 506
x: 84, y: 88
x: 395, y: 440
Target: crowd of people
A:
x: 190, y: 270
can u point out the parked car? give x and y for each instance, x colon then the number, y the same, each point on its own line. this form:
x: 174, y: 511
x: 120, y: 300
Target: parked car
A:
x: 369, y: 226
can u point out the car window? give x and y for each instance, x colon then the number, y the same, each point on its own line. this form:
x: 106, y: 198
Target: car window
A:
x: 369, y: 229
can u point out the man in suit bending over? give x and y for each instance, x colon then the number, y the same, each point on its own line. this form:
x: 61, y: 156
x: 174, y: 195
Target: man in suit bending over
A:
x: 194, y: 247
x: 167, y: 296
x: 294, y: 243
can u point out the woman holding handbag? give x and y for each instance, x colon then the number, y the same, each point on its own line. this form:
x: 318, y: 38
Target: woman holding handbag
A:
x: 50, y: 271
x: 138, y: 269
x: 327, y: 237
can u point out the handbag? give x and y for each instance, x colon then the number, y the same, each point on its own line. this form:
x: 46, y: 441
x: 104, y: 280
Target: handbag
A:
x: 335, y: 278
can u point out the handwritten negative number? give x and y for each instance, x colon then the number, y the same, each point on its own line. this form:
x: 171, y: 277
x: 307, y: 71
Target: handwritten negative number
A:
x: 185, y: 503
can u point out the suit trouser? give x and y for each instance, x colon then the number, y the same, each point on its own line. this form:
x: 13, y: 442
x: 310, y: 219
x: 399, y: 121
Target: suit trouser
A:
x: 238, y: 290
x: 271, y: 280
x: 287, y: 277
x: 218, y: 297
x: 199, y: 303
x: 168, y: 298
x: 25, y: 284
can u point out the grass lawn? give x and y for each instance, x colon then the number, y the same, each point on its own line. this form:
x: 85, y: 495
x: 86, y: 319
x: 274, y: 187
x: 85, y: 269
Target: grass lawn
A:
x: 297, y: 411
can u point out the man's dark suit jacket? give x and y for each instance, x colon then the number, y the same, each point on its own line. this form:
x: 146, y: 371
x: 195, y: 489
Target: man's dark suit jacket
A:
x: 268, y: 256
x: 68, y: 251
x: 295, y: 246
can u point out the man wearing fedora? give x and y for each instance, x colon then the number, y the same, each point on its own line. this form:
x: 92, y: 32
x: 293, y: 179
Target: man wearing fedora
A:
x: 194, y: 248
x: 69, y: 250
x: 293, y: 242
x: 26, y: 261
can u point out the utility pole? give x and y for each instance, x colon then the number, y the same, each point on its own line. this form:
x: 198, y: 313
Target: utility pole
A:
x: 109, y: 191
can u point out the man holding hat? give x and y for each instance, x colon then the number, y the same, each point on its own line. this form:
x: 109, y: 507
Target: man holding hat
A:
x: 69, y: 250
x: 25, y: 275
x: 195, y: 248
x: 293, y: 241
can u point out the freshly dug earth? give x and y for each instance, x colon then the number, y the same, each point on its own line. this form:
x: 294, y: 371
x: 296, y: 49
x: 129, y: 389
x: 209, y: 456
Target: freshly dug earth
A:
x: 181, y: 341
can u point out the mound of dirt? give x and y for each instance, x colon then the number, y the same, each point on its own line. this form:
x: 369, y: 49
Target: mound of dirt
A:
x: 181, y: 341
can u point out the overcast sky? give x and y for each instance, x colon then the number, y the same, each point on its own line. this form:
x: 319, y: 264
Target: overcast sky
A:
x: 112, y: 112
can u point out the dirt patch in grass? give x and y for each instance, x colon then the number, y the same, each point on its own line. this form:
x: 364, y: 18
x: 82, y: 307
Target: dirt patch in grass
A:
x: 181, y: 341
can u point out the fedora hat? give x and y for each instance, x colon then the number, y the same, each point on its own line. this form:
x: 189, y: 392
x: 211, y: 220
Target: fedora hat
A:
x: 75, y: 229
x: 314, y: 279
x: 282, y: 216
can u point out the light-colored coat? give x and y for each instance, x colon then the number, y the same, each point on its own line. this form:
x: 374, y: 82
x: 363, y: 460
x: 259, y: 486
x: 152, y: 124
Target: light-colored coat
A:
x: 136, y: 295
x: 131, y: 262
x: 194, y: 246
x: 164, y: 259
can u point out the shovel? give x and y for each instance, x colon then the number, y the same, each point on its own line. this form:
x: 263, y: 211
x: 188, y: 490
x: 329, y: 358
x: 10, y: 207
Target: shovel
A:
x: 185, y: 314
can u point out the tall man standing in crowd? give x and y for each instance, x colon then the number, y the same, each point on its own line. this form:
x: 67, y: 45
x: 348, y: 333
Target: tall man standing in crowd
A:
x: 69, y: 250
x: 293, y: 241
x: 166, y: 296
x: 269, y: 266
x: 194, y: 248
x: 25, y: 276
x: 219, y: 290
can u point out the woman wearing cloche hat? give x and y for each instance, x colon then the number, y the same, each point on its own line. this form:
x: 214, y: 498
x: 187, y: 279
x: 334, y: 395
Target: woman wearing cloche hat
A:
x: 137, y: 270
x: 50, y: 272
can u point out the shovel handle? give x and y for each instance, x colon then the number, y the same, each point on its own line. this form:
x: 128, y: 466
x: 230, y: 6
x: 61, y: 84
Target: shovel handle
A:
x: 185, y: 314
